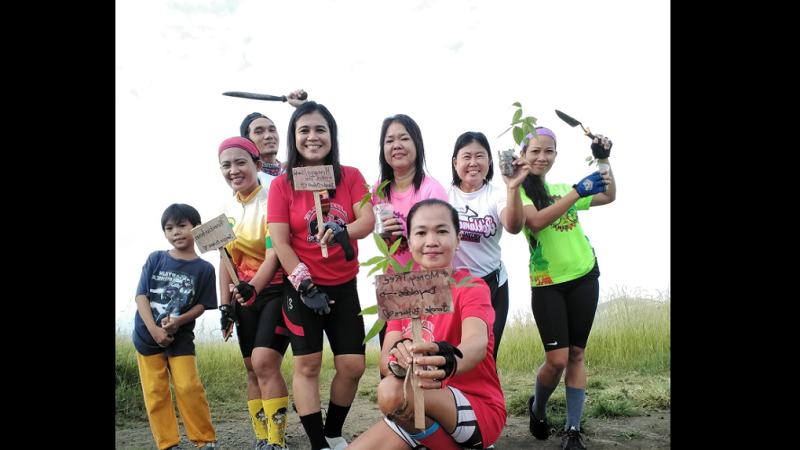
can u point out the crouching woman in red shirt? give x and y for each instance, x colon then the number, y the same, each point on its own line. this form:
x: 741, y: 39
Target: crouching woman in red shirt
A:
x: 464, y: 404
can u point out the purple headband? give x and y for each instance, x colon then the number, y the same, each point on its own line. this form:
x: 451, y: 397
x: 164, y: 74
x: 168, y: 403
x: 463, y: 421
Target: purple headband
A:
x: 239, y: 142
x: 541, y: 131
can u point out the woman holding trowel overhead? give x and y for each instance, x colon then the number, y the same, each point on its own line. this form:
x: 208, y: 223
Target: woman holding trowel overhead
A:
x: 263, y: 338
x: 316, y: 298
x: 564, y: 276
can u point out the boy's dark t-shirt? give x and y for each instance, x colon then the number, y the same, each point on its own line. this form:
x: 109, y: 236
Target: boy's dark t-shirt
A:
x: 172, y: 283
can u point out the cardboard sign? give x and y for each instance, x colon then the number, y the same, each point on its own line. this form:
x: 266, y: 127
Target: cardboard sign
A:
x: 315, y: 178
x: 413, y: 294
x: 213, y: 234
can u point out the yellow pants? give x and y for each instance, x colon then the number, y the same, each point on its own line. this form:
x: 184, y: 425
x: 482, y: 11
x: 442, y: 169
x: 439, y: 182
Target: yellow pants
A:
x: 155, y: 372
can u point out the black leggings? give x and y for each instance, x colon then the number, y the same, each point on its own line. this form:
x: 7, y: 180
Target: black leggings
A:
x: 564, y: 312
x: 500, y: 306
x: 261, y: 324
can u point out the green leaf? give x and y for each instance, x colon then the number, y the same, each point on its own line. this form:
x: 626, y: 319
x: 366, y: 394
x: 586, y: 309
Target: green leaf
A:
x: 376, y: 328
x: 375, y: 269
x: 373, y: 260
x: 395, y: 245
x: 518, y: 135
x: 517, y: 115
x: 369, y: 310
x: 379, y: 191
x: 395, y: 265
x: 517, y: 104
x: 409, y: 265
x: 588, y: 158
x: 527, y: 128
x: 531, y: 120
x: 367, y: 196
x: 381, y: 244
x: 465, y: 282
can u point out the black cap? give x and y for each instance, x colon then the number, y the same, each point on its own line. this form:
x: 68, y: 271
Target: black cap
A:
x: 246, y: 123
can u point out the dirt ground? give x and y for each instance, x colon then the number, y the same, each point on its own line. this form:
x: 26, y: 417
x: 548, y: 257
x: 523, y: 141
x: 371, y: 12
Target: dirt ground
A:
x: 234, y: 432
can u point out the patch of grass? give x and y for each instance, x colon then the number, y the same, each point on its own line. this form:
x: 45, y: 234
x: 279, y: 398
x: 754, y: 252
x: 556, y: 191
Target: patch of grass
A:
x: 625, y: 434
x: 612, y: 403
x: 627, y: 364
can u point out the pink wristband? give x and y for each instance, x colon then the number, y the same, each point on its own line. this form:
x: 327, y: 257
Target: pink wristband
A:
x: 299, y: 274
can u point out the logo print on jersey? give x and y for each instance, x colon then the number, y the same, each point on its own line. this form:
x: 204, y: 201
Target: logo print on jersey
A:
x: 568, y: 220
x: 336, y: 214
x: 473, y: 227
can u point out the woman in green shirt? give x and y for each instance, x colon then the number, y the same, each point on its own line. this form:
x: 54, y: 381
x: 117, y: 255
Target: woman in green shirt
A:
x: 564, y: 276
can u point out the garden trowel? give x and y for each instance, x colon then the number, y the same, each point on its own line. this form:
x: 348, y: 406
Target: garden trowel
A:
x: 573, y: 123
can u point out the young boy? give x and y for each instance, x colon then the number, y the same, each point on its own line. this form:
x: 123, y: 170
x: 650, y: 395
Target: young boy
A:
x: 174, y: 281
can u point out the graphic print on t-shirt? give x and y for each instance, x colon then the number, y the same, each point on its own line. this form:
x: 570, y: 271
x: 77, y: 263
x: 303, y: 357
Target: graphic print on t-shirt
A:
x: 336, y: 214
x: 473, y: 227
x: 175, y: 294
x: 568, y: 220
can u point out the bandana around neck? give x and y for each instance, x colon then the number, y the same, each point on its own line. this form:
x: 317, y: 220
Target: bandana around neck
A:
x: 271, y: 169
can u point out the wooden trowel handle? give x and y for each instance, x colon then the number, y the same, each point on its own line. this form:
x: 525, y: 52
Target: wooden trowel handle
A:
x: 320, y: 220
x: 226, y: 261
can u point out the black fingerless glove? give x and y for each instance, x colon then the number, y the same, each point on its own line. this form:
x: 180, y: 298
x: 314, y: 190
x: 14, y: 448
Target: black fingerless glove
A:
x: 450, y: 362
x: 314, y: 298
x: 228, y: 316
x: 341, y: 236
x: 599, y: 151
x: 248, y: 292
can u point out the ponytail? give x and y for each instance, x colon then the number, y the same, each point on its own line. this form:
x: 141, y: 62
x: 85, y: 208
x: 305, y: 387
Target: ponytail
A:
x: 534, y: 189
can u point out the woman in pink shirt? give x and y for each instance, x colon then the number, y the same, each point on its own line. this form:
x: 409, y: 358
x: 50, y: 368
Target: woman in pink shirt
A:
x: 402, y: 160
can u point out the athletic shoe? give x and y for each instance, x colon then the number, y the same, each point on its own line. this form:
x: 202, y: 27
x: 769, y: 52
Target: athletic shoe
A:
x: 275, y: 447
x: 174, y: 447
x: 209, y: 446
x: 336, y: 443
x: 539, y: 428
x: 263, y: 444
x: 572, y: 440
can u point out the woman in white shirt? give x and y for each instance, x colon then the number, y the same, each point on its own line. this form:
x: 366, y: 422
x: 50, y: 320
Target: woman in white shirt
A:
x: 483, y: 212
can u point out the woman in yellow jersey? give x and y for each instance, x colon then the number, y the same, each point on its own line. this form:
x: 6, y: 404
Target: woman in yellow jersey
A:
x: 263, y: 338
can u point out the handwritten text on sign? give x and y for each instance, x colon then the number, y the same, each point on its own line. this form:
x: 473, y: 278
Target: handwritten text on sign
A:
x: 213, y: 234
x: 316, y: 178
x: 413, y: 294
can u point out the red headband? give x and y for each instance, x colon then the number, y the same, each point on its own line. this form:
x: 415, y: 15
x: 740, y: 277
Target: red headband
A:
x: 239, y: 142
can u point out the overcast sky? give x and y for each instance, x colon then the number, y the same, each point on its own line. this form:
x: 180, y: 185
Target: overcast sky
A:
x: 452, y: 65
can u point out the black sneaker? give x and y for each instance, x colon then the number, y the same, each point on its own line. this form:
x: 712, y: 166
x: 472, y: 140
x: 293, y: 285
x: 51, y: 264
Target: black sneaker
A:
x: 539, y: 428
x: 572, y: 440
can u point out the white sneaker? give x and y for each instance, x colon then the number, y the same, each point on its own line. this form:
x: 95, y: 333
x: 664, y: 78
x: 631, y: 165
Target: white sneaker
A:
x: 337, y: 443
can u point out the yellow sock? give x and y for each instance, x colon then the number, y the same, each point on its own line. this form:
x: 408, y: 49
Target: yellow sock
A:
x: 277, y: 410
x: 259, y: 419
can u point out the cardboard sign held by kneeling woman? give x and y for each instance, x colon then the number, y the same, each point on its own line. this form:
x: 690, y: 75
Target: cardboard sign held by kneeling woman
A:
x: 411, y: 295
